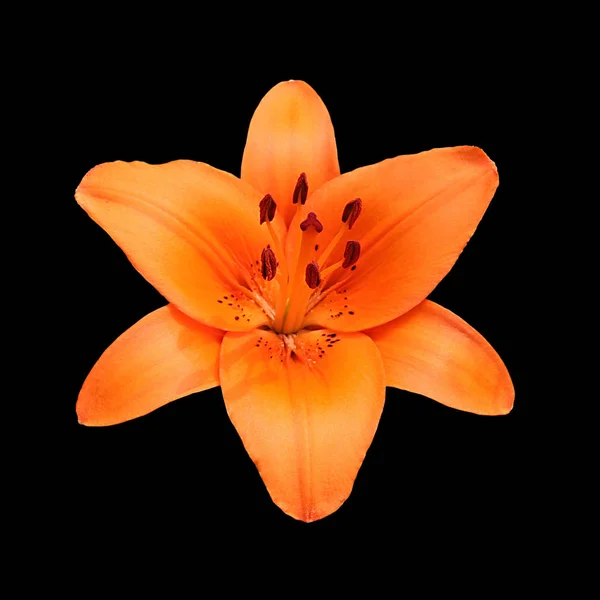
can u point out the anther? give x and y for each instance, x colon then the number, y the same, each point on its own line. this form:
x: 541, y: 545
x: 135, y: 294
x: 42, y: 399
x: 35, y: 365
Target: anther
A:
x: 311, y: 220
x: 351, y: 212
x: 351, y: 254
x: 267, y: 209
x: 268, y: 263
x: 301, y: 190
x: 313, y: 276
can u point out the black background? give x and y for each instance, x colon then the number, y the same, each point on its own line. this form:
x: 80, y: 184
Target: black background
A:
x: 183, y: 468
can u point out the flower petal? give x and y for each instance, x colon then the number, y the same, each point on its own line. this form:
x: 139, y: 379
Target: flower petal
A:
x: 163, y: 357
x: 290, y: 133
x: 418, y: 212
x: 306, y: 421
x: 431, y: 351
x: 191, y: 230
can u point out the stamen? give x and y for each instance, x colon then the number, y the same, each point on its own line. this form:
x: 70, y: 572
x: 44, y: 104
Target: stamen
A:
x: 351, y: 254
x: 267, y: 209
x: 313, y: 277
x: 311, y: 221
x: 301, y: 190
x: 351, y: 212
x: 268, y: 264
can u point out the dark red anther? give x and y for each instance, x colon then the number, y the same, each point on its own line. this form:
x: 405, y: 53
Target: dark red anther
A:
x: 351, y: 254
x: 313, y: 276
x: 301, y: 190
x: 351, y: 212
x: 267, y: 208
x: 268, y: 263
x: 311, y: 219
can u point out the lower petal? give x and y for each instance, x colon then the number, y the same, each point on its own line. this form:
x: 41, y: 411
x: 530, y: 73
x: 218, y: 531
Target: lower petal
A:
x: 431, y: 351
x: 163, y: 357
x: 306, y: 419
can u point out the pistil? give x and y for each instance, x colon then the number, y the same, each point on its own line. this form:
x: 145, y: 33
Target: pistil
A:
x: 299, y: 291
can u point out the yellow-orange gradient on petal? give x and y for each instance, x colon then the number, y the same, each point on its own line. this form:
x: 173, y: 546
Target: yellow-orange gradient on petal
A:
x: 431, y: 351
x: 290, y: 133
x: 163, y: 357
x: 306, y: 421
x: 191, y: 230
x: 418, y: 213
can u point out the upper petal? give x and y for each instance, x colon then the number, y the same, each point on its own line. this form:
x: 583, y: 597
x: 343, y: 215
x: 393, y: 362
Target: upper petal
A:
x: 431, y: 351
x: 290, y: 133
x: 164, y: 356
x: 418, y: 212
x: 191, y: 230
x: 307, y: 421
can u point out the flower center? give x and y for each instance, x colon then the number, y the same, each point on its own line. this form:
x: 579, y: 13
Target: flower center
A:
x: 299, y: 282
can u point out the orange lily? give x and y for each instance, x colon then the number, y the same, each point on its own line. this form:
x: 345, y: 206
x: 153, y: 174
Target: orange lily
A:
x: 300, y: 291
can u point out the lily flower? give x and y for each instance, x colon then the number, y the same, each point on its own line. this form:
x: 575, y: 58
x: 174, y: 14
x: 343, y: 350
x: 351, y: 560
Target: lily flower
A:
x: 300, y: 291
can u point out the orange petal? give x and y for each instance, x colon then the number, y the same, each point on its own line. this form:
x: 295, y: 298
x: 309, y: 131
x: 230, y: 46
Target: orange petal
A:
x: 431, y: 351
x: 163, y: 357
x: 306, y: 421
x: 191, y: 230
x: 290, y: 133
x: 418, y: 212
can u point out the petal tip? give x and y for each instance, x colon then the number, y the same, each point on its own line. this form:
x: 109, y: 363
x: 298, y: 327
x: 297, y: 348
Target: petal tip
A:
x: 477, y: 156
x: 507, y: 407
x: 83, y: 189
x: 82, y: 418
x: 506, y: 398
x: 292, y: 89
x: 84, y: 414
x: 87, y: 408
x: 294, y: 83
x: 312, y: 513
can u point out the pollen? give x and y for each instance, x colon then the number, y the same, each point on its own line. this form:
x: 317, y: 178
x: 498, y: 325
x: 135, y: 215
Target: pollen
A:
x: 268, y: 264
x: 313, y: 277
x: 351, y: 212
x: 267, y: 208
x: 301, y: 190
x: 351, y: 254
